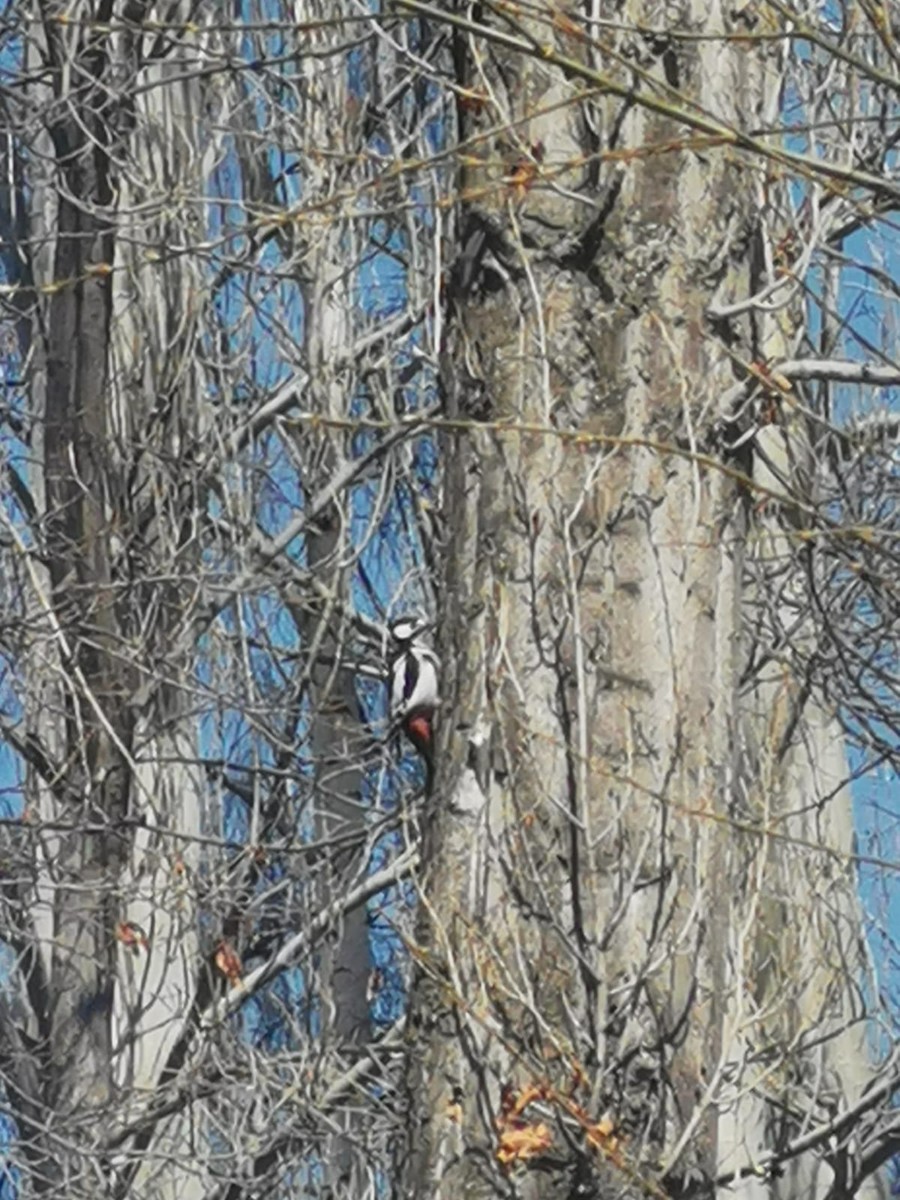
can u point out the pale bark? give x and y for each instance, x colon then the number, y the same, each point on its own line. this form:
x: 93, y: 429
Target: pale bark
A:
x: 110, y: 347
x: 591, y: 909
x: 636, y: 889
x: 162, y: 406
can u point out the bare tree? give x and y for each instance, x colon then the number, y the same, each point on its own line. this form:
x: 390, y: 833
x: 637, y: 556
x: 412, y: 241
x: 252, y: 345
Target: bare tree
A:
x: 608, y: 279
x: 185, y: 893
x: 644, y: 969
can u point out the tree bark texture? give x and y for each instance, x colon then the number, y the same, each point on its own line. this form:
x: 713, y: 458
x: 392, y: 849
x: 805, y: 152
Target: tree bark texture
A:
x: 605, y: 918
x: 105, y: 673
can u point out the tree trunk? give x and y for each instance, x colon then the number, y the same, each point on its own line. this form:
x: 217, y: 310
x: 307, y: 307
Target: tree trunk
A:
x: 603, y: 900
x: 106, y: 678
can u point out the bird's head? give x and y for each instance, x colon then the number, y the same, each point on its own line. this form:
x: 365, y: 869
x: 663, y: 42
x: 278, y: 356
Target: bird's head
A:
x: 407, y: 629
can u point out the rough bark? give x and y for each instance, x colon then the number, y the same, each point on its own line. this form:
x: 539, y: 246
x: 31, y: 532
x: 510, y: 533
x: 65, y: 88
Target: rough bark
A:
x: 104, y: 684
x: 595, y: 925
x: 175, y: 531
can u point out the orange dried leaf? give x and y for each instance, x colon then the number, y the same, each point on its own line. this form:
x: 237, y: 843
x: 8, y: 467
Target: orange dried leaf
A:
x: 132, y: 936
x: 228, y: 962
x: 601, y: 1136
x: 536, y: 1091
x: 523, y: 176
x: 513, y: 1104
x: 527, y: 1142
x: 600, y: 1132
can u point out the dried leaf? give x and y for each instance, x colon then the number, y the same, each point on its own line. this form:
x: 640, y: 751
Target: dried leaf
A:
x: 228, y: 962
x: 513, y: 1104
x: 131, y: 935
x: 601, y: 1136
x: 522, y: 176
x: 527, y: 1142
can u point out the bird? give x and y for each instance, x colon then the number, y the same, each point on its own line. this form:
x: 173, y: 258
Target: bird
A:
x: 415, y: 698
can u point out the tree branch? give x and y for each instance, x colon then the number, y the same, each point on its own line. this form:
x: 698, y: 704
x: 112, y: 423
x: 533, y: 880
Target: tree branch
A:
x: 806, y: 165
x: 216, y: 1013
x: 836, y: 1128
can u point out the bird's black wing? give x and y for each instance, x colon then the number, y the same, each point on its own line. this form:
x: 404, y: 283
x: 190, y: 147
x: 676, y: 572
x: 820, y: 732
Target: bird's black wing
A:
x: 410, y: 675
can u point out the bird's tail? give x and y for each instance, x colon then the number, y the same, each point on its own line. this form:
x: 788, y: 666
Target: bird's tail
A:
x: 428, y: 759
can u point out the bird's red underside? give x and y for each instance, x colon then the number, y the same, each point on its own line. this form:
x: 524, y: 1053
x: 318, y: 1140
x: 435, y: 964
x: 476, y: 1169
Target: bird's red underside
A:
x: 419, y: 729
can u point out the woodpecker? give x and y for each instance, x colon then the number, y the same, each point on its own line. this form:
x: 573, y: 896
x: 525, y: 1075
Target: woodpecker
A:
x: 414, y: 688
